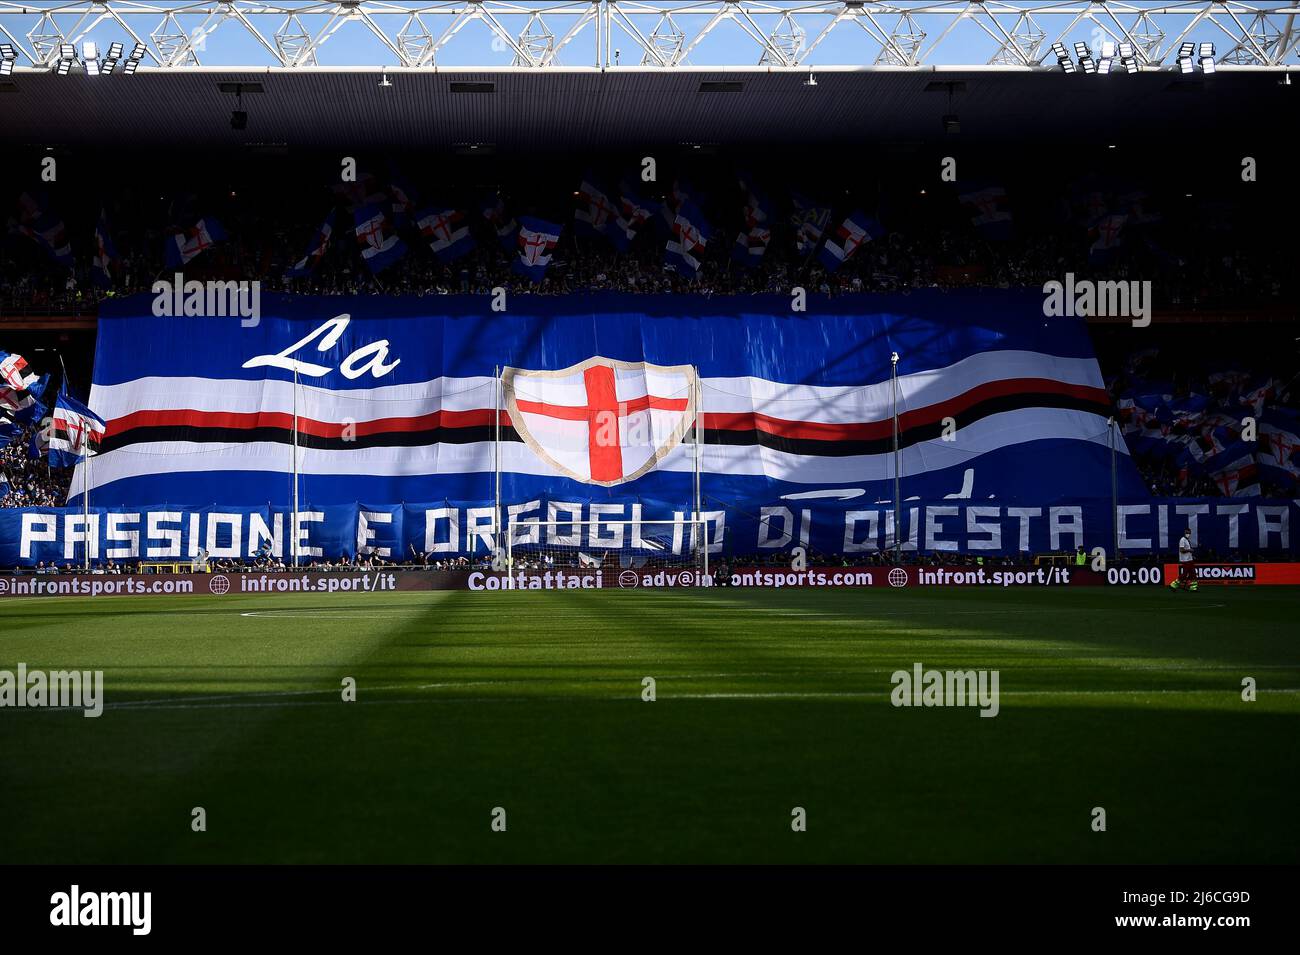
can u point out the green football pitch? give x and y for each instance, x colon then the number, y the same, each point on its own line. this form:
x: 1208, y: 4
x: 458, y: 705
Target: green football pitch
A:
x: 1128, y: 700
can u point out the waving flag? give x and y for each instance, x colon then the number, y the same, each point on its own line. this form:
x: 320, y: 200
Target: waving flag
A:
x: 750, y: 246
x: 363, y: 191
x: 14, y: 373
x: 596, y: 213
x: 988, y: 211
x: 185, y: 245
x: 380, y: 246
x: 39, y: 445
x: 857, y: 230
x: 632, y: 214
x: 105, y: 254
x: 1240, y: 478
x: 810, y: 221
x: 75, y: 432
x: 320, y: 243
x: 505, y: 227
x: 690, y: 237
x: 8, y: 431
x: 537, y: 239
x: 447, y: 231
x: 1107, y: 232
x: 1279, y: 445
x: 402, y: 199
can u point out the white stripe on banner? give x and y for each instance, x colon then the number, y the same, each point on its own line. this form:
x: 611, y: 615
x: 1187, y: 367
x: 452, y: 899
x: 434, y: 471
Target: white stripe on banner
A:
x: 828, y: 404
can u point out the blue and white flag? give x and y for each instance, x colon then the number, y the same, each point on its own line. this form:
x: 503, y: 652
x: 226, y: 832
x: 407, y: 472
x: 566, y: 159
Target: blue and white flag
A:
x: 380, y: 245
x: 402, y: 199
x: 989, y: 211
x: 1106, y: 233
x: 633, y: 213
x: 320, y: 243
x: 75, y: 432
x: 505, y: 226
x: 596, y: 212
x: 536, y: 243
x: 105, y: 254
x: 690, y: 239
x: 49, y: 233
x: 185, y: 245
x: 8, y: 431
x: 751, y: 244
x: 14, y: 372
x: 447, y: 231
x: 857, y: 230
x: 810, y: 221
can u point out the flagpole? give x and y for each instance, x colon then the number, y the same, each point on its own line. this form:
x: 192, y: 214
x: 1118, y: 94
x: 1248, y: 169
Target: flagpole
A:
x: 496, y: 453
x: 85, y: 505
x: 699, y: 452
x: 1114, y: 490
x: 294, y: 523
x: 898, y: 493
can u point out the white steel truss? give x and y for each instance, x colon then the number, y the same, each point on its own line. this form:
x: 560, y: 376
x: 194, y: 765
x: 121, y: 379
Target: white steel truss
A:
x: 557, y: 34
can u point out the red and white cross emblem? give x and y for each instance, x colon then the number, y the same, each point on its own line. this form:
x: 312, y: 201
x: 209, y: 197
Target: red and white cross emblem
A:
x: 602, y: 421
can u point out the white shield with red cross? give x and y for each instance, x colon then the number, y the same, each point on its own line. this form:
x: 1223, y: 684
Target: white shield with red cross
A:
x: 602, y: 421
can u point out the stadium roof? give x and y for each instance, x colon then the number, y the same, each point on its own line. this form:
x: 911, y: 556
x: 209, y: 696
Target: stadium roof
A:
x: 628, y: 108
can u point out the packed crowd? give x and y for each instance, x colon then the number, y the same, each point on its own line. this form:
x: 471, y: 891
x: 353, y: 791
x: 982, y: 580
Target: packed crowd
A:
x: 27, y: 481
x: 1197, y: 251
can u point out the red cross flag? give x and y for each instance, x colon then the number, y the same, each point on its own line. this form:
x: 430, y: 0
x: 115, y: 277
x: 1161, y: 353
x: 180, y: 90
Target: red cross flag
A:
x: 602, y: 421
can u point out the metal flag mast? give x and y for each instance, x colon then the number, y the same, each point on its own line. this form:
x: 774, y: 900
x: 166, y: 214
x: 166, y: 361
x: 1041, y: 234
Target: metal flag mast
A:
x: 293, y: 522
x: 496, y: 456
x: 898, y: 498
x: 1114, y: 489
x: 702, y: 529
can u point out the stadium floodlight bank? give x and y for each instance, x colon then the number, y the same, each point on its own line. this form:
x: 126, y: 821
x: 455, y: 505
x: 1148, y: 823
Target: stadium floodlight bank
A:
x: 607, y: 545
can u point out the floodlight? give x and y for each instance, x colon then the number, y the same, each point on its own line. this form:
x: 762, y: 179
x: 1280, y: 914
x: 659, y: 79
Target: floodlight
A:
x: 1185, y: 50
x: 1082, y: 51
x: 129, y: 66
x: 1207, y: 49
x: 1103, y: 67
x: 89, y: 50
x: 1126, y: 51
x: 1108, y: 49
x: 1207, y: 65
x: 1185, y: 65
x: 67, y: 51
x: 92, y: 67
x: 6, y: 66
x: 63, y: 68
x: 1088, y: 65
x: 108, y: 67
x: 1131, y: 65
x: 1059, y: 49
x: 7, y: 52
x: 115, y: 51
x: 1067, y: 64
x: 138, y: 52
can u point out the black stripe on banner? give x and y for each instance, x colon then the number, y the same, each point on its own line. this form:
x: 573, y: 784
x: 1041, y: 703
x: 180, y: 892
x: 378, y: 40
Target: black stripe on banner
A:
x: 388, y: 439
x: 717, y: 436
x: 910, y: 436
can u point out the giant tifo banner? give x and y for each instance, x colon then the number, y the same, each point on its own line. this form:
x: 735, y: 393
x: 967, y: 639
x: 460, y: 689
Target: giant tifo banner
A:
x: 588, y: 407
x: 29, y: 536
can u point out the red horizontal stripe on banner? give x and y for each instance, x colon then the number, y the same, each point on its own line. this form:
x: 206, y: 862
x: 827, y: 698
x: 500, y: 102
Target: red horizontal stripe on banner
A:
x: 582, y: 413
x: 279, y: 419
x: 723, y: 421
